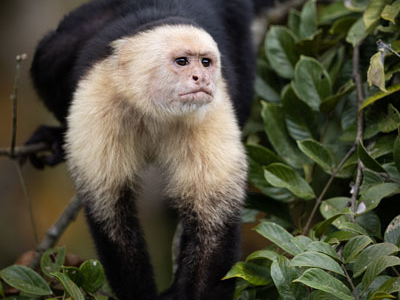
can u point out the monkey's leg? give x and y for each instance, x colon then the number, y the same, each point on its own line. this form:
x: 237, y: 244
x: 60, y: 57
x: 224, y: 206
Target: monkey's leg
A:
x: 121, y: 248
x: 205, y: 258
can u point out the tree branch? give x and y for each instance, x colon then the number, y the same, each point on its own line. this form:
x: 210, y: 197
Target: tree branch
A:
x: 54, y: 233
x: 20, y: 151
x: 360, y: 123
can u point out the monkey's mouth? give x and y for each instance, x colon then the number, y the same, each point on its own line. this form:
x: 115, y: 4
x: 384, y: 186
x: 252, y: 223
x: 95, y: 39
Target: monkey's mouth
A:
x: 196, y: 93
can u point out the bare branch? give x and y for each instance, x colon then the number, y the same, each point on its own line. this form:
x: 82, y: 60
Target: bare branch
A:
x: 24, y: 150
x: 54, y: 233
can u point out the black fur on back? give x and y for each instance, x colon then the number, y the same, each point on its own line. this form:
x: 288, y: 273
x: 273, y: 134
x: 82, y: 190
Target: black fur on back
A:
x: 83, y: 37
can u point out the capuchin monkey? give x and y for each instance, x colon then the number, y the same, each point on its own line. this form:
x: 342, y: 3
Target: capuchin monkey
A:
x: 161, y: 83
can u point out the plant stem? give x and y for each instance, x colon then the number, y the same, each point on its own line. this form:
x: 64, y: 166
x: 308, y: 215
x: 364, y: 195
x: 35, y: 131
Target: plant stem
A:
x: 54, y: 233
x: 328, y: 184
x: 360, y: 123
x: 14, y: 98
x: 24, y: 150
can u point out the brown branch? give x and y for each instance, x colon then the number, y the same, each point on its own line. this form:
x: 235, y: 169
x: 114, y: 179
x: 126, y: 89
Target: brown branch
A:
x: 360, y: 123
x: 321, y: 196
x: 24, y: 150
x: 54, y: 233
x: 355, y: 293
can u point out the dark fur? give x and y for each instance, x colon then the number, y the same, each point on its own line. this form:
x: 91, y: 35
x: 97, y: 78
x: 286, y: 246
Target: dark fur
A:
x: 64, y: 56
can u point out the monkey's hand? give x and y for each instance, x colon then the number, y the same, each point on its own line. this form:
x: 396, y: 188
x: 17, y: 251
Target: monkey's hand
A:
x: 52, y: 136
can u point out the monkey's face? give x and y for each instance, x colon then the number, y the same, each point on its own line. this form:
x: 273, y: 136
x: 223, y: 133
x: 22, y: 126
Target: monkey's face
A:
x: 172, y: 70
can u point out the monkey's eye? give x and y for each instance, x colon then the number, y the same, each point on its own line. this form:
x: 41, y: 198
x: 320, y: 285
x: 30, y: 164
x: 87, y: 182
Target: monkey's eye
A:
x: 182, y: 61
x: 206, y: 62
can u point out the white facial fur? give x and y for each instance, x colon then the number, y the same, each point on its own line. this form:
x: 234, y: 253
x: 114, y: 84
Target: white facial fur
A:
x: 169, y: 70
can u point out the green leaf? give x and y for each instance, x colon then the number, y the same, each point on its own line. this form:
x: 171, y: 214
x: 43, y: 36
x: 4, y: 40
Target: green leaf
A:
x: 283, y: 274
x: 321, y: 227
x: 340, y: 236
x: 342, y: 25
x: 279, y: 236
x: 316, y: 260
x: 74, y: 274
x: 378, y: 266
x: 308, y: 21
x: 371, y: 223
x: 52, y: 260
x: 391, y: 121
x: 373, y: 12
x: 275, y: 127
x: 356, y: 33
x: 335, y: 206
x: 93, y: 275
x: 252, y: 273
x: 357, y: 5
x: 354, y: 246
x: 323, y: 248
x: 266, y: 254
x: 262, y: 155
x: 301, y: 241
x: 283, y: 176
x: 321, y: 295
x: 280, y: 49
x: 294, y: 21
x: 353, y: 227
x: 381, y: 295
x: 328, y: 104
x: 378, y: 96
x: 396, y: 152
x: 376, y: 71
x: 370, y: 254
x: 367, y: 160
x: 391, y: 285
x: 392, y: 233
x: 311, y: 83
x: 317, y: 152
x: 265, y: 91
x: 373, y: 196
x: 70, y: 287
x: 327, y: 14
x: 26, y: 280
x: 390, y: 12
x: 321, y: 280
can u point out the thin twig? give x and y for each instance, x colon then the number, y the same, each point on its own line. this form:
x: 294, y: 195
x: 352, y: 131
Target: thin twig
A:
x: 321, y: 196
x: 387, y: 47
x: 28, y: 201
x: 14, y: 98
x: 24, y: 150
x: 54, y: 233
x: 360, y: 123
x: 356, y: 296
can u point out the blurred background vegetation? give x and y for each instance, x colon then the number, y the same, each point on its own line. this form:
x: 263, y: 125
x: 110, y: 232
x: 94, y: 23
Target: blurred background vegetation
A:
x: 22, y: 24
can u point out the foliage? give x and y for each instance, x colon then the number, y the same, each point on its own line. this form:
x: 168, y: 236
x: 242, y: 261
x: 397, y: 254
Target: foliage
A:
x: 58, y: 281
x: 324, y: 137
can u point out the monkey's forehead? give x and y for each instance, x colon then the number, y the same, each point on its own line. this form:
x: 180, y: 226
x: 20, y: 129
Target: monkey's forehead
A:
x: 185, y: 38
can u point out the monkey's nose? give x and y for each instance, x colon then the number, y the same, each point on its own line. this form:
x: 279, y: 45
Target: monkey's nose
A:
x: 195, y: 78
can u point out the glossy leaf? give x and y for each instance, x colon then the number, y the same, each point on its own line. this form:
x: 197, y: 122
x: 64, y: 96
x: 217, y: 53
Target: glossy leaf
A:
x: 279, y: 236
x: 317, y: 152
x: 354, y: 246
x: 376, y: 71
x: 308, y: 21
x: 93, y: 274
x: 262, y: 155
x: 74, y: 274
x: 311, y: 82
x: 353, y: 227
x: 321, y: 295
x: 378, y: 266
x: 252, y: 273
x: 396, y: 152
x: 370, y: 254
x: 324, y: 248
x: 301, y: 241
x: 373, y: 196
x: 328, y: 104
x: 317, y: 260
x: 70, y: 287
x: 391, y: 121
x: 26, y: 280
x: 267, y: 254
x: 321, y: 280
x: 392, y: 233
x: 356, y: 33
x: 283, y: 274
x: 275, y: 127
x: 380, y: 95
x: 390, y: 12
x: 367, y: 160
x: 265, y: 91
x: 283, y: 176
x: 52, y: 260
x: 373, y: 12
x: 280, y: 49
